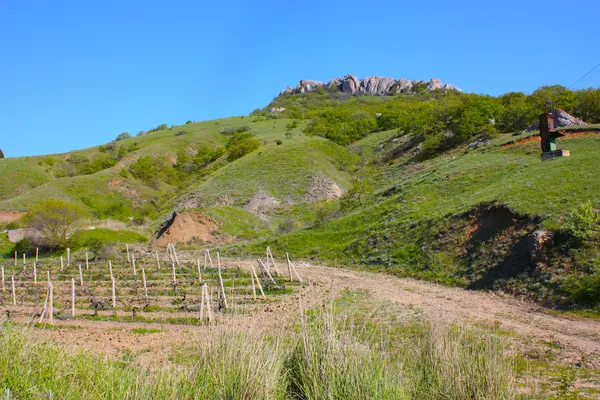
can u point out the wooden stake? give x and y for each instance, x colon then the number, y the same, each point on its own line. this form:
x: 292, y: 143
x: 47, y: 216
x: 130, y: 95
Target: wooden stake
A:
x: 87, y: 262
x: 73, y: 297
x: 157, y: 261
x: 291, y: 266
x: 15, y: 258
x: 205, y: 258
x: 264, y: 269
x: 133, y: 264
x: 127, y: 248
x: 199, y: 273
x: 253, y: 286
x: 43, y: 313
x: 3, y: 286
x: 110, y: 269
x: 48, y: 273
x: 270, y: 254
x: 114, y: 293
x: 35, y: 273
x: 210, y: 259
x: 68, y: 257
x: 222, y: 287
x: 202, y: 305
x: 144, y: 281
x: 258, y: 282
x: 14, y: 292
x: 80, y: 275
x: 24, y: 260
x: 51, y: 305
x: 37, y: 254
x: 208, y: 305
x: 62, y: 264
x: 170, y: 252
x: 175, y: 254
x: 174, y: 274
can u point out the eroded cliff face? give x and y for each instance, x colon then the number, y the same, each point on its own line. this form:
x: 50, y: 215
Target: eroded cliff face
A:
x: 371, y: 85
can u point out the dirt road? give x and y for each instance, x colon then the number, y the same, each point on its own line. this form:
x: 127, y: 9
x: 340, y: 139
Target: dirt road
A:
x: 572, y: 339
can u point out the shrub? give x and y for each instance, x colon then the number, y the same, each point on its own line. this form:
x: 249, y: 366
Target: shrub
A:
x: 56, y: 220
x: 287, y: 226
x: 180, y: 133
x: 140, y: 133
x: 279, y: 142
x: 234, y: 130
x: 188, y: 122
x: 123, y: 136
x: 241, y: 144
x: 583, y: 222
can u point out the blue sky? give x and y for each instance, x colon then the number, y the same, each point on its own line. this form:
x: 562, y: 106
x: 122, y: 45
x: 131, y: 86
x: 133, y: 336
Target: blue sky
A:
x: 75, y: 74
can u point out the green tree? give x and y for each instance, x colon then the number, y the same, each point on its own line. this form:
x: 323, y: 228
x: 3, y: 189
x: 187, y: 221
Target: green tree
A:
x: 241, y: 144
x: 123, y: 136
x: 56, y: 220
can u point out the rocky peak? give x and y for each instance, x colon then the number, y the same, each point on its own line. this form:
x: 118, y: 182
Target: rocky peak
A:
x: 372, y: 85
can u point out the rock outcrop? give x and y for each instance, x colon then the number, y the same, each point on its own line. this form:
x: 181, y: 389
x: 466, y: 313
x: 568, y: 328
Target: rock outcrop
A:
x: 371, y: 85
x: 561, y: 119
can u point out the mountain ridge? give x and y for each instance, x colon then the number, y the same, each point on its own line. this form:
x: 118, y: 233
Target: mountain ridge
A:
x: 371, y: 85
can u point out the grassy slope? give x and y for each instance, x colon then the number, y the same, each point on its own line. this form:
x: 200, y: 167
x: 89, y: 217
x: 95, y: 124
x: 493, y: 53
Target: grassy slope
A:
x: 283, y: 171
x: 415, y: 202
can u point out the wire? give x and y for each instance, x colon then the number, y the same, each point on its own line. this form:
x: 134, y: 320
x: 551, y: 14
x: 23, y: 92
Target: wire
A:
x: 586, y: 74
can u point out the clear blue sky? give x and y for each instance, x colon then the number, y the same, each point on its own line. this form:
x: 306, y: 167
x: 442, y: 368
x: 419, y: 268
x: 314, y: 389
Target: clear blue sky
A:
x: 74, y: 74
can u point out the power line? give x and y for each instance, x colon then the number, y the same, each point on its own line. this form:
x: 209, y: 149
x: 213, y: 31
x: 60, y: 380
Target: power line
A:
x: 586, y: 74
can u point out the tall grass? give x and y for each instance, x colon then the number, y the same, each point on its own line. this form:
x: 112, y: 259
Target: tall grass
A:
x: 324, y: 359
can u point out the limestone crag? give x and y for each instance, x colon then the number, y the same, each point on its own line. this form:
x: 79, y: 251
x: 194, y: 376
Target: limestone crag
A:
x: 371, y: 85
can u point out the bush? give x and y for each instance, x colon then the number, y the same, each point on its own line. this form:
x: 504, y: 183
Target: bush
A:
x: 234, y: 130
x: 279, y: 142
x: 241, y: 144
x: 123, y: 136
x: 56, y: 220
x: 180, y: 133
x: 583, y: 223
x: 188, y: 122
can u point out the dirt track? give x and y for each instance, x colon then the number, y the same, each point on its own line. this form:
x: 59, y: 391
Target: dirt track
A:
x: 572, y: 338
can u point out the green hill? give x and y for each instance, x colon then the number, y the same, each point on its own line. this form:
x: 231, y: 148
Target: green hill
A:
x: 418, y: 185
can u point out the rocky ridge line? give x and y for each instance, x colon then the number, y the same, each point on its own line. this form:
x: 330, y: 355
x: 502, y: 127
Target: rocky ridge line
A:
x: 372, y: 85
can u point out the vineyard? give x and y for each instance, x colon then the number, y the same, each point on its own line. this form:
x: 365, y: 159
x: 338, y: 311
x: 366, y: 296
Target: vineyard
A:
x: 143, y: 287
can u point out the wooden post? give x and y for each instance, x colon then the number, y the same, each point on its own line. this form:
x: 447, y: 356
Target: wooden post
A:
x: 157, y: 261
x: 43, y: 313
x: 199, y: 273
x: 210, y: 258
x: 37, y: 254
x: 110, y: 269
x: 80, y: 275
x: 14, y: 292
x: 270, y: 254
x: 87, y: 262
x: 15, y: 258
x: 51, y: 304
x: 253, y: 286
x: 289, y: 265
x: 208, y: 305
x: 175, y: 254
x: 221, y: 286
x: 3, y: 286
x: 114, y: 293
x: 24, y: 260
x: 170, y: 252
x: 73, y: 297
x: 144, y: 281
x: 205, y: 258
x: 35, y: 273
x: 174, y: 273
x: 292, y: 268
x: 62, y: 264
x: 68, y: 257
x: 127, y: 248
x: 48, y: 273
x: 133, y: 264
x: 202, y: 305
x: 258, y: 282
x: 264, y: 269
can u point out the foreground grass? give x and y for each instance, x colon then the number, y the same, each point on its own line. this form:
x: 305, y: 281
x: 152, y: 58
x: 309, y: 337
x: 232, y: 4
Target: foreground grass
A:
x: 329, y: 356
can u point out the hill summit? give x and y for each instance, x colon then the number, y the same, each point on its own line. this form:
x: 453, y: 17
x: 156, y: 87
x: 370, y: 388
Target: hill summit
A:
x: 372, y: 85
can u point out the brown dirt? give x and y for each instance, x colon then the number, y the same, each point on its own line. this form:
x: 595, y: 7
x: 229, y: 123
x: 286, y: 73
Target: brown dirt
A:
x: 323, y: 188
x: 569, y: 134
x: 262, y: 202
x: 188, y: 227
x: 122, y: 186
x: 573, y: 339
x: 7, y: 216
